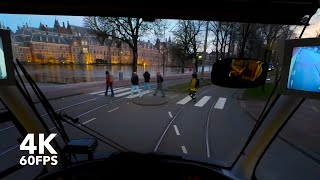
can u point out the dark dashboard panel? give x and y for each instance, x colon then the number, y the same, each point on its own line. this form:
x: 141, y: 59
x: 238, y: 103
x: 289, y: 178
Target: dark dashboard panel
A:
x: 260, y: 11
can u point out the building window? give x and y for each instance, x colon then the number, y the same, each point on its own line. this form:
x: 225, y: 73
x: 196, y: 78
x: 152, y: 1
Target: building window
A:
x: 42, y: 46
x: 74, y: 50
x: 60, y: 47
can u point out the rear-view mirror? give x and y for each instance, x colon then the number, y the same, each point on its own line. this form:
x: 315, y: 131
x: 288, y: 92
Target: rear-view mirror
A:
x: 239, y: 73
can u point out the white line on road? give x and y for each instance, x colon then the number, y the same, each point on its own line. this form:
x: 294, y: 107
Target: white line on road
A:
x: 113, y: 109
x: 72, y: 105
x: 136, y: 95
x: 184, y: 100
x: 177, y: 130
x: 122, y: 94
x: 58, y: 110
x: 6, y: 151
x: 6, y: 128
x: 184, y: 150
x: 175, y: 116
x: 315, y: 108
x: 116, y: 91
x: 220, y: 103
x: 170, y: 114
x: 98, y: 92
x: 207, y: 130
x: 202, y: 101
x: 88, y: 121
x: 99, y: 107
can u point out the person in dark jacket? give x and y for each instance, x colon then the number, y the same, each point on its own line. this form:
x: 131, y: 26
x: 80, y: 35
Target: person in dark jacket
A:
x: 109, y: 83
x: 146, y: 76
x: 159, y: 84
x: 135, y: 84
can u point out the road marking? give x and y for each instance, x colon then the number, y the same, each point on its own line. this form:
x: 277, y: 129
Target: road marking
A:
x: 169, y: 124
x: 177, y: 130
x: 184, y: 150
x: 315, y: 108
x: 113, y: 109
x: 98, y: 92
x: 202, y: 101
x: 207, y: 130
x: 220, y: 103
x: 170, y: 114
x: 184, y: 100
x: 71, y: 105
x: 6, y: 128
x: 99, y: 107
x: 137, y: 95
x: 87, y: 121
x: 116, y: 91
x: 122, y: 94
x: 6, y: 151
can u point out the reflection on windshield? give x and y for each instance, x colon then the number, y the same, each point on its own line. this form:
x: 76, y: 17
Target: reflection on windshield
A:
x: 69, y: 60
x: 246, y: 69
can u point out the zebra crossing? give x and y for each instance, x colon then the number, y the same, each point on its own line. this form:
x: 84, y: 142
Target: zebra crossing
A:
x: 121, y: 92
x: 126, y: 92
x: 219, y: 104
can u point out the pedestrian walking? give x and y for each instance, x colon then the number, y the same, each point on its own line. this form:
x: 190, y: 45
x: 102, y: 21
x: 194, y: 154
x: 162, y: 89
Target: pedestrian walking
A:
x: 135, y: 84
x: 194, y: 85
x: 146, y: 76
x: 109, y: 83
x: 159, y: 84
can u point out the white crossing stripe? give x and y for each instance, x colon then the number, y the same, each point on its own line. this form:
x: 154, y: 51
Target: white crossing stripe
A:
x: 98, y: 92
x: 177, y: 130
x: 220, y: 103
x: 137, y: 95
x: 116, y: 91
x: 184, y: 100
x: 184, y: 150
x: 122, y: 94
x: 202, y: 101
x: 113, y: 109
x: 170, y: 114
x: 86, y: 121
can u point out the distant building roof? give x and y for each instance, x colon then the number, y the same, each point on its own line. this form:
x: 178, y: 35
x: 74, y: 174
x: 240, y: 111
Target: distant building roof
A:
x: 48, y: 39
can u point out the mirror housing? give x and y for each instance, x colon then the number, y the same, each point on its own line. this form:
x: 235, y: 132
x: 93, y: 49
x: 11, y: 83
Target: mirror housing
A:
x: 239, y: 73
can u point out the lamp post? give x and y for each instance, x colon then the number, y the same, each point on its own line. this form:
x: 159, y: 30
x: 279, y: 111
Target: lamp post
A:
x: 204, y: 50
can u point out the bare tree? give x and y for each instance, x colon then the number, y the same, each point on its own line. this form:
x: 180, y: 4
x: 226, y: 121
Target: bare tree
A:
x: 125, y: 29
x: 187, y: 37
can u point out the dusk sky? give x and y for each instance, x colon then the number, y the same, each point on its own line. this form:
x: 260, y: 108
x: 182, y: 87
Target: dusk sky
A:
x: 14, y: 20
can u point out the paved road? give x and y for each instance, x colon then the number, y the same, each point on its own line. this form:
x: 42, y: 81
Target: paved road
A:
x: 213, y: 129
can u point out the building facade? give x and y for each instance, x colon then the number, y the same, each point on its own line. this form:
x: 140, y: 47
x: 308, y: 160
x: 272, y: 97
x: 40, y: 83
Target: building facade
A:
x: 74, y: 44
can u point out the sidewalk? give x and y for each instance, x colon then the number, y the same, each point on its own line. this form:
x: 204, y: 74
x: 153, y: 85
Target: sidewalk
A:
x: 302, y: 131
x: 56, y: 91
